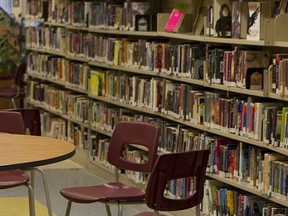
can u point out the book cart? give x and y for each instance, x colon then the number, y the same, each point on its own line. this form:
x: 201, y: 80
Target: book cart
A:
x: 85, y: 77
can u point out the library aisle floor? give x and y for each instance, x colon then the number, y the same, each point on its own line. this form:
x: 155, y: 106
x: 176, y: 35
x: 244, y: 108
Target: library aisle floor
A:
x: 68, y: 174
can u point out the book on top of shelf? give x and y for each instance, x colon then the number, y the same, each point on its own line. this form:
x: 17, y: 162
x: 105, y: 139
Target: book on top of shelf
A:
x: 239, y: 15
x: 198, y: 26
x: 257, y: 11
x: 139, y: 8
x: 222, y: 20
x: 142, y: 22
x: 174, y: 20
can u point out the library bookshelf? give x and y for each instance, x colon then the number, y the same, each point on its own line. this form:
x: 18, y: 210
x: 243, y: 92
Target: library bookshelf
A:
x: 85, y: 80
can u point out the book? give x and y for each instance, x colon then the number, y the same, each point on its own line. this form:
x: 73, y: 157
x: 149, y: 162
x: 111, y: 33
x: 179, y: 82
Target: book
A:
x: 249, y: 59
x: 142, y: 22
x: 257, y: 12
x: 210, y: 21
x: 268, y: 157
x: 138, y: 8
x: 174, y: 21
x: 283, y: 124
x: 221, y: 14
x: 198, y: 26
x: 253, y: 205
x: 239, y: 15
x: 97, y: 80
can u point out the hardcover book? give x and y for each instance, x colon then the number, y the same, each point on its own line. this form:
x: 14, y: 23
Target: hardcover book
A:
x: 139, y: 8
x: 198, y: 26
x: 239, y: 19
x: 220, y: 13
x: 257, y: 11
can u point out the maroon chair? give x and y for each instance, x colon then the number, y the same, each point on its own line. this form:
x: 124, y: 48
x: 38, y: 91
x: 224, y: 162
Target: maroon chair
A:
x: 17, y: 90
x: 125, y: 133
x: 173, y: 166
x: 32, y: 122
x: 12, y: 122
x: 31, y: 117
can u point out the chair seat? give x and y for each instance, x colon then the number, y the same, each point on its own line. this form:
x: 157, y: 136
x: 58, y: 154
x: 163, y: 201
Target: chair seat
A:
x: 12, y: 178
x: 107, y: 192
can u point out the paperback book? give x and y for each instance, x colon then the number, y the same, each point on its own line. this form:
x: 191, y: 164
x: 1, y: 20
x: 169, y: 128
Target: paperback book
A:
x: 174, y: 21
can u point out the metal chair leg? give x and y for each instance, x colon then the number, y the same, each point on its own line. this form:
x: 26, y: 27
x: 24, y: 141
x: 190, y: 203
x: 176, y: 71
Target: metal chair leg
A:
x: 108, y: 210
x: 197, y: 210
x: 48, y: 202
x: 68, y: 208
x: 13, y: 103
x: 156, y: 213
x: 120, y: 209
x: 31, y: 199
x: 32, y: 180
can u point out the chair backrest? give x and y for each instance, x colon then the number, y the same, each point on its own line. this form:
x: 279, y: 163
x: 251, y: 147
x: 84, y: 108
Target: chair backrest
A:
x: 177, y: 166
x: 19, y: 75
x: 11, y: 122
x: 31, y: 117
x: 139, y: 133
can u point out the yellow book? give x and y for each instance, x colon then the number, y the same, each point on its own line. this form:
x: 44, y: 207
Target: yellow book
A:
x: 97, y: 79
x: 230, y: 202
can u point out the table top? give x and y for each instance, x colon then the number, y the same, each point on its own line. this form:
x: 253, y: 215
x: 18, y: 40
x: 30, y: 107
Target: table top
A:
x: 25, y: 151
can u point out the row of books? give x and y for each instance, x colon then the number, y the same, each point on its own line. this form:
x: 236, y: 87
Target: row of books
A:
x: 237, y: 20
x: 238, y: 161
x: 183, y: 60
x: 105, y: 15
x: 73, y: 74
x: 173, y: 137
x: 237, y: 68
x: 64, y: 102
x: 36, y: 8
x: 48, y: 38
x: 279, y: 71
x: 154, y: 94
x: 263, y: 170
x: 121, y: 16
x: 243, y: 116
x: 223, y: 200
x: 55, y: 126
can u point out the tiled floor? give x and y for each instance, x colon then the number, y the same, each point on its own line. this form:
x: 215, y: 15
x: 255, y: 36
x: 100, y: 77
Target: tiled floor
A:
x: 68, y: 174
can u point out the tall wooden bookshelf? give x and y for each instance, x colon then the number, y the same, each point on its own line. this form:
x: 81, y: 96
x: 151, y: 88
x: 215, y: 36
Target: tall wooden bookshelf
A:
x: 92, y: 86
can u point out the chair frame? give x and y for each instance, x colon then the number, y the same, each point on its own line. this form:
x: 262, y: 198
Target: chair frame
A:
x: 176, y: 166
x: 31, y: 117
x: 17, y: 128
x: 125, y: 133
x: 18, y: 83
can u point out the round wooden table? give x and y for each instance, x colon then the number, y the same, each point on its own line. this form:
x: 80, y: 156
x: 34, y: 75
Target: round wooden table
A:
x: 25, y: 151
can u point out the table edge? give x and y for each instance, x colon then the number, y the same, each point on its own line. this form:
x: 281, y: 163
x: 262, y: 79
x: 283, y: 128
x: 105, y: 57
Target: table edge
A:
x: 40, y: 162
